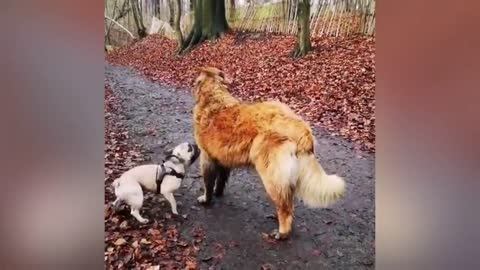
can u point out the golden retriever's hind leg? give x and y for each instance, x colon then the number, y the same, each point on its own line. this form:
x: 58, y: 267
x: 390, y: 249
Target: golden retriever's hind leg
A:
x: 283, y: 200
x: 209, y: 171
x: 285, y: 220
x: 281, y: 192
x: 222, y: 177
x: 276, y: 164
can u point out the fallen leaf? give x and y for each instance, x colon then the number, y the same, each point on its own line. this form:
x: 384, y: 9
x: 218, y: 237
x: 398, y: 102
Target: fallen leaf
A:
x: 145, y: 241
x: 119, y: 242
x: 135, y: 244
x: 266, y: 266
x: 190, y: 265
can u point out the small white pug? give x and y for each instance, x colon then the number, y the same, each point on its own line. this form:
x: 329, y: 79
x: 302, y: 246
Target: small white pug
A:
x: 168, y: 176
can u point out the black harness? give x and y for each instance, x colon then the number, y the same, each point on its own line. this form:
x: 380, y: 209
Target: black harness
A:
x: 159, y: 176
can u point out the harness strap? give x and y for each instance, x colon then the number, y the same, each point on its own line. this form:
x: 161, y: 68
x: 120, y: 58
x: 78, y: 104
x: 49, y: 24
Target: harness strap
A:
x: 176, y: 174
x: 160, y: 176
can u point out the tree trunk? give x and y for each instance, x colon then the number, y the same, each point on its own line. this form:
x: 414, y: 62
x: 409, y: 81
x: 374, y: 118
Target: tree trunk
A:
x: 209, y: 23
x: 232, y: 10
x: 178, y: 30
x: 156, y: 8
x: 137, y: 16
x: 171, y: 10
x: 303, y: 45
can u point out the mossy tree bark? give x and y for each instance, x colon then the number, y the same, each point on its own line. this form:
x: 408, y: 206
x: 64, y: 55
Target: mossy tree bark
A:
x: 138, y: 18
x: 178, y: 30
x: 171, y: 11
x: 210, y: 23
x: 303, y: 45
x: 232, y: 10
x: 156, y: 8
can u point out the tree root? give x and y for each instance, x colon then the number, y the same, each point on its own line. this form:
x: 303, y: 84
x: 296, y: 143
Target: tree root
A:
x: 298, y: 52
x: 193, y: 39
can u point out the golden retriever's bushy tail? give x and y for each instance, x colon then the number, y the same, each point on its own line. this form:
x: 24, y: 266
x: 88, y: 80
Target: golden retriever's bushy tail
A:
x: 314, y: 186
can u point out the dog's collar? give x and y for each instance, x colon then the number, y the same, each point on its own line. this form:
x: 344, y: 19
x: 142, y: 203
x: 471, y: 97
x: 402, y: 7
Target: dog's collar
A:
x: 160, y: 176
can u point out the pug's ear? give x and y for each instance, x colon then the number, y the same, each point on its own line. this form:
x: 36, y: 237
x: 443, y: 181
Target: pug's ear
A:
x: 195, y: 147
x: 168, y: 152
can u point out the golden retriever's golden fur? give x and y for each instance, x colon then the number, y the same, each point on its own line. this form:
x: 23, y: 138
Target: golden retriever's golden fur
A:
x: 266, y: 135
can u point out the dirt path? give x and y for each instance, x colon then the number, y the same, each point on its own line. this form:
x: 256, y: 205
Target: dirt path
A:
x: 341, y: 237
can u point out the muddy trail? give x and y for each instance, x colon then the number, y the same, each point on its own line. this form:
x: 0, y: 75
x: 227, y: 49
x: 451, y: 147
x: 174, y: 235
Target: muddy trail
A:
x: 340, y: 237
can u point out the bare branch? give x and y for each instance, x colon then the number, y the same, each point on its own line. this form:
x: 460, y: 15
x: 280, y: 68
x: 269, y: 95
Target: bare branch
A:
x: 119, y: 25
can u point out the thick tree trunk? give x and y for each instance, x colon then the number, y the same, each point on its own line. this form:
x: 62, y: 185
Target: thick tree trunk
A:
x: 137, y: 16
x: 172, y: 12
x: 178, y: 30
x: 303, y: 45
x: 209, y: 23
x: 156, y: 8
x: 232, y: 10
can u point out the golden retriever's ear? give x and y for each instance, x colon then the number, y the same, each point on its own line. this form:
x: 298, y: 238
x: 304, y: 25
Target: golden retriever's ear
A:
x: 209, y: 71
x: 215, y: 73
x: 227, y: 79
x: 199, y: 78
x: 197, y: 81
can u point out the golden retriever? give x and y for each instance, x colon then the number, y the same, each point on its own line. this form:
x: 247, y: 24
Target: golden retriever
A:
x: 266, y: 135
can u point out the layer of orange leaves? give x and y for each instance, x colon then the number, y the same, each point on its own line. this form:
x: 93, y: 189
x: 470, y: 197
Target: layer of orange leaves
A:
x: 129, y: 245
x: 333, y: 87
